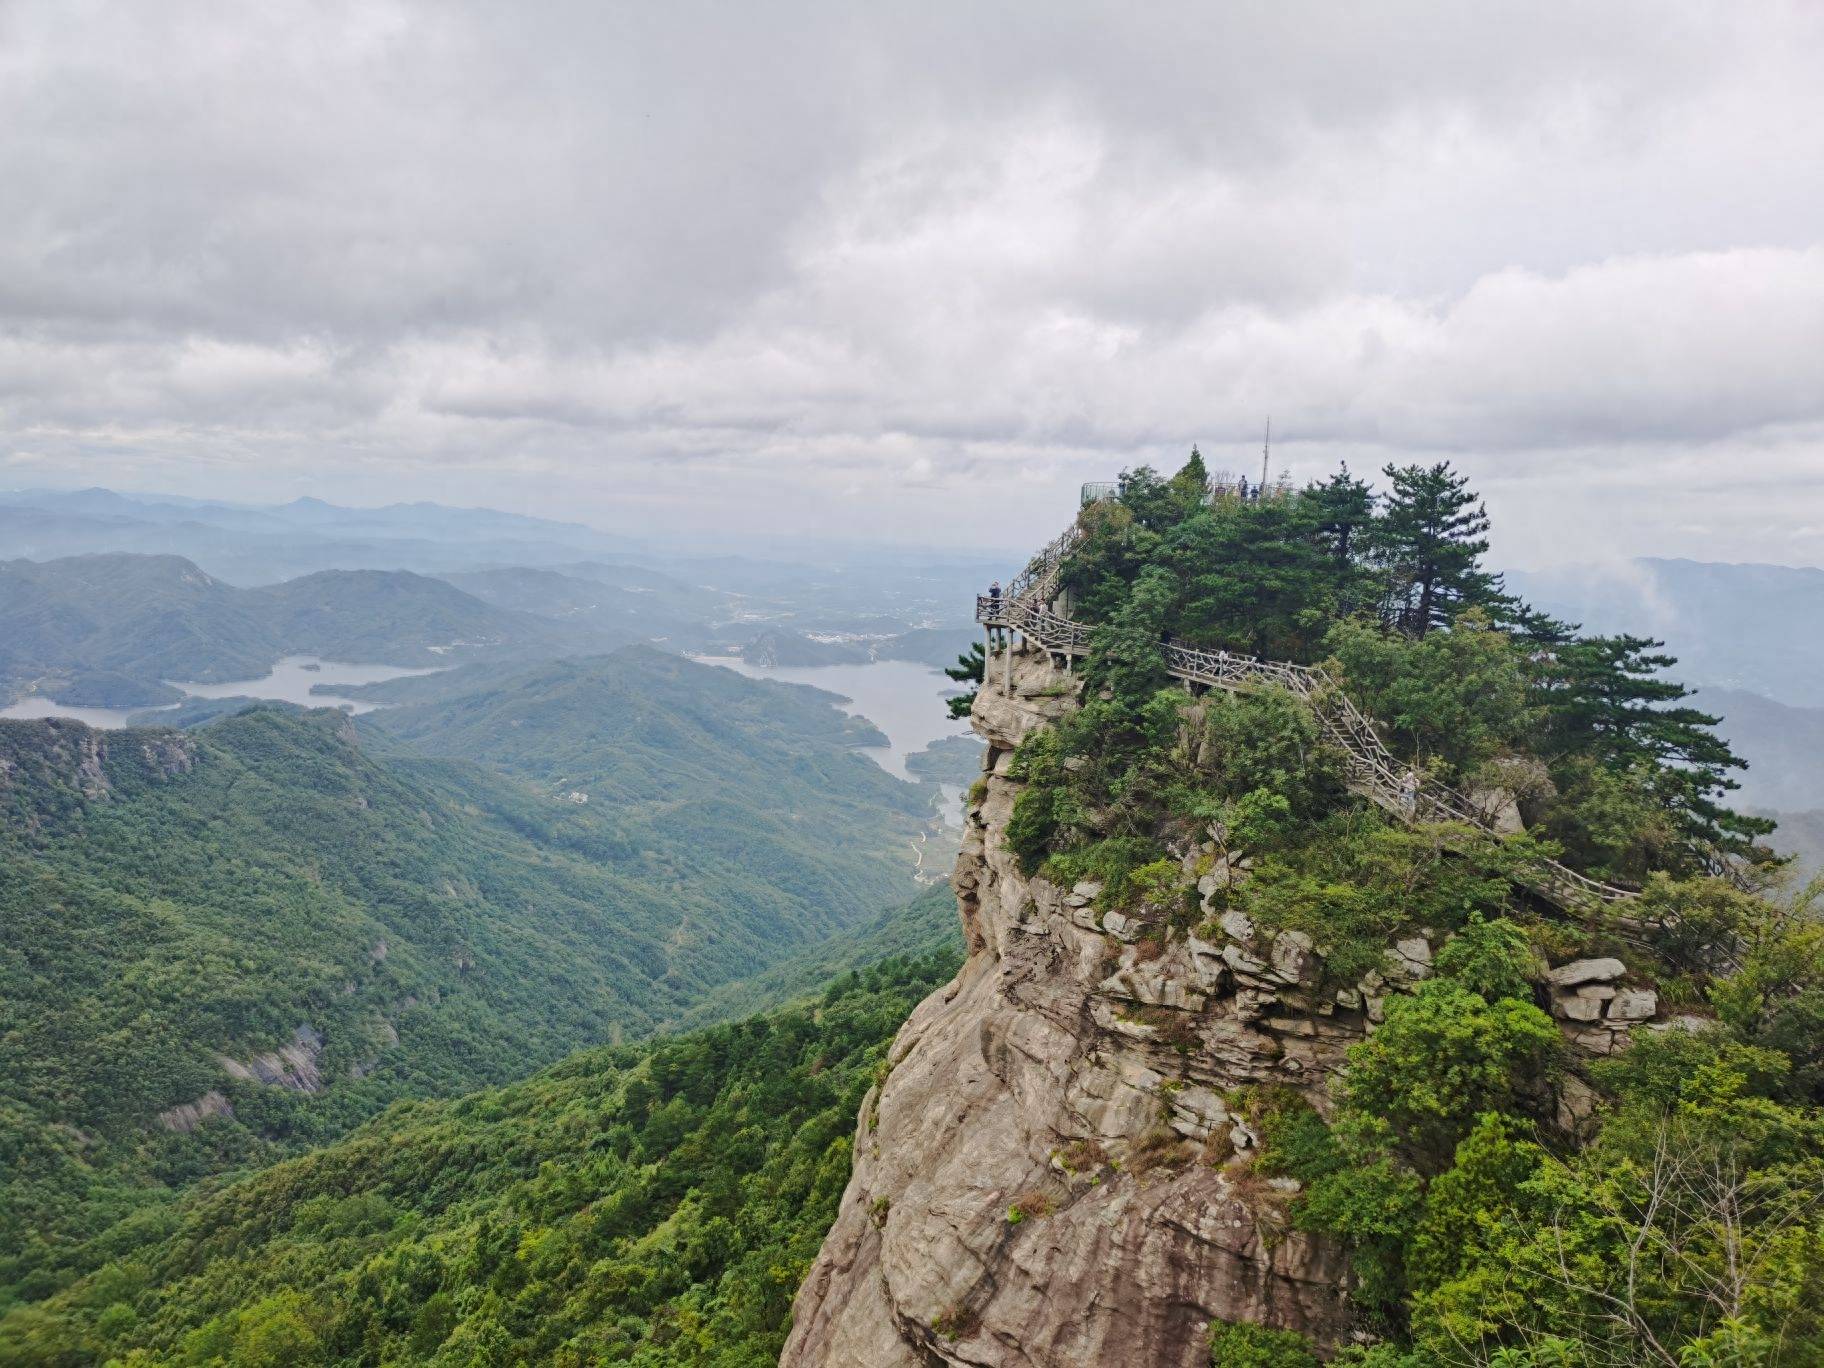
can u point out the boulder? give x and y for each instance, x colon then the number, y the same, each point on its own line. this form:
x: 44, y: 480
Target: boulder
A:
x: 1573, y: 1007
x: 1586, y: 971
x: 1410, y: 958
x: 1120, y: 925
x: 1633, y: 1004
x: 1242, y: 962
x: 1294, y: 959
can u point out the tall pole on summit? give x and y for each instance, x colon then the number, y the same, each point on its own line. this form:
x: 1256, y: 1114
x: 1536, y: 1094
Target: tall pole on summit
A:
x: 1266, y: 450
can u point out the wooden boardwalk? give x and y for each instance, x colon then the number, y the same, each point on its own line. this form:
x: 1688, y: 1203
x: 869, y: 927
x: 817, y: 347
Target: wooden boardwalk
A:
x: 1373, y: 772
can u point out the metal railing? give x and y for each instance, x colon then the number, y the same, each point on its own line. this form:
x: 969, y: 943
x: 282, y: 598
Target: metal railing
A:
x: 1097, y: 490
x: 1373, y: 772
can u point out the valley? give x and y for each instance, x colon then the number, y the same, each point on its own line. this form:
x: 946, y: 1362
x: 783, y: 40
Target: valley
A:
x: 413, y: 912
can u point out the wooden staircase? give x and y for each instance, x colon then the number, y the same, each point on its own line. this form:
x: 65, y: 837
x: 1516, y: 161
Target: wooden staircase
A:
x: 1024, y: 608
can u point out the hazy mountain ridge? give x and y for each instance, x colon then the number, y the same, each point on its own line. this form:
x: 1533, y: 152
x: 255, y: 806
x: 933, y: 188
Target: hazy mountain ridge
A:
x: 1784, y: 747
x: 617, y: 605
x: 108, y: 630
x: 1758, y: 628
x: 260, y: 544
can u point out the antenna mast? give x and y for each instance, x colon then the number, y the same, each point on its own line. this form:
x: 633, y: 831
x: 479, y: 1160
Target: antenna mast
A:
x: 1266, y: 451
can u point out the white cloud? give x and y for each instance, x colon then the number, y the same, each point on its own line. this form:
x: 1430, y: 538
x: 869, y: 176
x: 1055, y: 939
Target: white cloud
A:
x: 922, y: 266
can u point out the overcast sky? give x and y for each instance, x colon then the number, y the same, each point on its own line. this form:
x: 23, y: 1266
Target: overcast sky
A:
x: 913, y: 271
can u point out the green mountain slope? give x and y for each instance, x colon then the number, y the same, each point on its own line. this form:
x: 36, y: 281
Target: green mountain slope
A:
x: 348, y: 928
x: 751, y: 772
x: 108, y: 630
x: 926, y: 926
x: 655, y: 1205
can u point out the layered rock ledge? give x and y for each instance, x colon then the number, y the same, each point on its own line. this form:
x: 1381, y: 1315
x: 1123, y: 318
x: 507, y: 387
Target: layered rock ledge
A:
x: 1048, y: 1174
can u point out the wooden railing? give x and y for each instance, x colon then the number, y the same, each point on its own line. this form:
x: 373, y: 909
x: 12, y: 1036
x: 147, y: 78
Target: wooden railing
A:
x: 1373, y: 772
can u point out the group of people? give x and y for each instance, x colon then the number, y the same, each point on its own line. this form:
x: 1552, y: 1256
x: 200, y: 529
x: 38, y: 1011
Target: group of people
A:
x: 1249, y: 493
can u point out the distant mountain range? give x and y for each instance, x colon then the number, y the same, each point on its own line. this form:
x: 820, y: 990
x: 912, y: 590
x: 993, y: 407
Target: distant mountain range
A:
x: 256, y: 545
x: 1758, y: 628
x: 248, y: 545
x: 1784, y: 747
x: 108, y: 630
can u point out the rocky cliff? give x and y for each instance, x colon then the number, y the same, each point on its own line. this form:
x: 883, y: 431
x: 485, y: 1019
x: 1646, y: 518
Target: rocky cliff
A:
x: 1048, y: 1174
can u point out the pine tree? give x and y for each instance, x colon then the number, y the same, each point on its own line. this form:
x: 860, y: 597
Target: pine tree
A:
x: 970, y: 668
x: 1429, y: 543
x: 1192, y: 482
x: 1343, y: 510
x: 1344, y: 507
x: 1609, y: 699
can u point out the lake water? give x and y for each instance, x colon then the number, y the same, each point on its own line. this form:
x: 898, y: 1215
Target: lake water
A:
x: 901, y: 697
x: 108, y: 719
x: 293, y: 678
x: 290, y: 681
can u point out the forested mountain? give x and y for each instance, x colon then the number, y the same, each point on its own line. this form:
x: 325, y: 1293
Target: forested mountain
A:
x: 225, y: 943
x: 922, y: 928
x: 654, y: 1204
x: 710, y: 750
x: 108, y: 630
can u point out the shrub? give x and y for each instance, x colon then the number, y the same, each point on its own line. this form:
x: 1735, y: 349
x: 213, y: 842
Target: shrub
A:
x: 1255, y: 1346
x: 1492, y: 958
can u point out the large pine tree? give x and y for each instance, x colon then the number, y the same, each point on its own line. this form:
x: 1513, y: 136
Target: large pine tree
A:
x: 1343, y: 510
x: 1429, y: 544
x: 1609, y: 699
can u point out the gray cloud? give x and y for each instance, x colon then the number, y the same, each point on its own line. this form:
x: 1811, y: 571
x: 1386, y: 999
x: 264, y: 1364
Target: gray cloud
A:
x: 912, y: 267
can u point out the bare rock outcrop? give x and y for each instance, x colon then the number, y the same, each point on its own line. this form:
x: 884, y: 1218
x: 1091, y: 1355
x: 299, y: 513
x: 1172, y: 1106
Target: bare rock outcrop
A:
x: 187, y: 1116
x: 1049, y: 1174
x: 59, y: 754
x: 294, y: 1066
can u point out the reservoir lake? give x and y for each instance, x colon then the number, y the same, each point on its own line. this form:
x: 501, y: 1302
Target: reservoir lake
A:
x: 901, y: 697
x: 289, y: 681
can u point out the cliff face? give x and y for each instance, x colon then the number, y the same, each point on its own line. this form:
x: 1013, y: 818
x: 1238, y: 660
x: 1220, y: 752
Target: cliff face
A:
x: 1048, y: 1174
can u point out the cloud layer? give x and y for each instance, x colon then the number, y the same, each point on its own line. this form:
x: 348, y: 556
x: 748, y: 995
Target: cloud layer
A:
x: 914, y: 270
